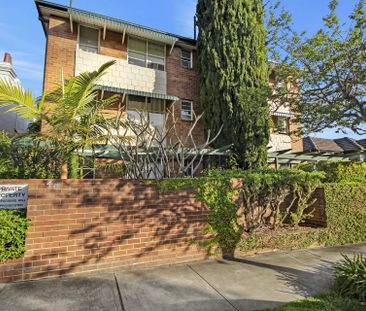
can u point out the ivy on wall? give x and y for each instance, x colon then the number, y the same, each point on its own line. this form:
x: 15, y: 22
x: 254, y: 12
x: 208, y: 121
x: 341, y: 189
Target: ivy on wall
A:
x: 346, y: 223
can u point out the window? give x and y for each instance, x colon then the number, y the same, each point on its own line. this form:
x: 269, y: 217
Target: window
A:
x: 89, y: 39
x: 136, y: 103
x: 156, y: 56
x: 187, y: 111
x: 137, y: 52
x: 186, y: 59
x: 140, y: 108
x: 146, y: 54
x: 141, y: 104
x: 282, y: 125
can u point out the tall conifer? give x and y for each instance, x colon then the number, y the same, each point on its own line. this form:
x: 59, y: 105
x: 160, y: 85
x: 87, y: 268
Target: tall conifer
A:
x: 233, y: 69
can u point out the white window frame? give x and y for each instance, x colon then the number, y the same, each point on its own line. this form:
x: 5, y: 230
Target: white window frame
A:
x: 181, y: 58
x: 182, y: 116
x: 147, y: 52
x: 87, y: 26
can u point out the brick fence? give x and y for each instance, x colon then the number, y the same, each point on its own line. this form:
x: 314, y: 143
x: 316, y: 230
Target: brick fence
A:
x: 82, y: 226
x: 88, y: 226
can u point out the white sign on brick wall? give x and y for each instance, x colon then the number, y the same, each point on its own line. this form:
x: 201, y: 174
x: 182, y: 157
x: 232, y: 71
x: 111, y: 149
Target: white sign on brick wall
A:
x: 13, y: 196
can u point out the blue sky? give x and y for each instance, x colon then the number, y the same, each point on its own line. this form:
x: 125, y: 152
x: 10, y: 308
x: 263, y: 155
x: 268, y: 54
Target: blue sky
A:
x: 21, y: 33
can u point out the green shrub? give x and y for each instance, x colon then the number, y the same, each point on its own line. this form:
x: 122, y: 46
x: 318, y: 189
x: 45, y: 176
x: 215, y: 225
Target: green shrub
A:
x: 350, y: 277
x: 346, y: 213
x: 246, y: 200
x: 13, y: 229
x: 27, y: 158
x: 346, y: 223
x: 339, y: 171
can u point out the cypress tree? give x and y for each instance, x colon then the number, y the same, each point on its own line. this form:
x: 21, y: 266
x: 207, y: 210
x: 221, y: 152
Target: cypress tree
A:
x: 234, y: 76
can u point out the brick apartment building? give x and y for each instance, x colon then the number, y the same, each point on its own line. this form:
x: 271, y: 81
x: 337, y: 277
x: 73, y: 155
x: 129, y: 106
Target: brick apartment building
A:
x: 153, y: 69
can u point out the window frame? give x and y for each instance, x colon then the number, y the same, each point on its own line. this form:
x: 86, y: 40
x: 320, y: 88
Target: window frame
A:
x: 286, y: 131
x: 182, y: 58
x: 91, y: 27
x: 146, y: 102
x: 185, y: 101
x: 147, y: 52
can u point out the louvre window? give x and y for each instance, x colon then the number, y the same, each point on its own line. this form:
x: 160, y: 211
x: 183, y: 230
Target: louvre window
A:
x: 89, y: 39
x: 186, y: 59
x: 187, y: 111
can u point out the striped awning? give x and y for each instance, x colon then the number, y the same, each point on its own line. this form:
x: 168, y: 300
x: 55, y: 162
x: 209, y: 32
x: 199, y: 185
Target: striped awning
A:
x: 137, y: 93
x: 283, y: 114
x: 114, y: 24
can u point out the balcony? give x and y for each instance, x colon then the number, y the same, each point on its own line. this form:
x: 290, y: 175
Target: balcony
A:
x: 123, y: 75
x: 280, y: 142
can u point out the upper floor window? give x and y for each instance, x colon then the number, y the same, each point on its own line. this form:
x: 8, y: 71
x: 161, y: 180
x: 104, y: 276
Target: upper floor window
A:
x: 89, y: 39
x: 146, y: 54
x: 187, y: 110
x: 137, y: 52
x: 186, y: 59
x: 156, y: 56
x: 282, y: 125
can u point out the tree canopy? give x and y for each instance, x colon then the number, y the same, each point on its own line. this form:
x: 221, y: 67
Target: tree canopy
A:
x: 328, y: 69
x: 234, y: 75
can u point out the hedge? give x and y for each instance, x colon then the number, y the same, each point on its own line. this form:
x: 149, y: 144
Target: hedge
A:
x: 338, y: 171
x: 13, y: 230
x: 346, y: 213
x: 346, y: 223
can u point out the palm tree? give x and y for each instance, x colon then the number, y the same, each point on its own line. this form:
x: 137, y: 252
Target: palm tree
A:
x: 72, y: 114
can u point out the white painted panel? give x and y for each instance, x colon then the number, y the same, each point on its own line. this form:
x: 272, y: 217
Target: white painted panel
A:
x: 122, y: 74
x: 279, y: 142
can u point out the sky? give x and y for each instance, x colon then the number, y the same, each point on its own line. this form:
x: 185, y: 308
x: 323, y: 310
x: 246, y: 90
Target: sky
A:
x: 22, y: 35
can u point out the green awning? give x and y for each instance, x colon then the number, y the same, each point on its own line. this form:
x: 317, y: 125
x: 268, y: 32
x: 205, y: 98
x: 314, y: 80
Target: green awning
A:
x: 137, y: 93
x: 114, y: 24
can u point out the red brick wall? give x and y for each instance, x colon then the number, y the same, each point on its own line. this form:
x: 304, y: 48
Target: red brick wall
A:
x: 183, y: 82
x: 112, y: 45
x: 60, y: 52
x: 319, y: 214
x: 83, y: 226
x: 89, y: 226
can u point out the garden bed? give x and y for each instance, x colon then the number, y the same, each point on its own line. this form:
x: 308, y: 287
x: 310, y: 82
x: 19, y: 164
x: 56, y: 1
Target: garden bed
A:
x: 286, y: 238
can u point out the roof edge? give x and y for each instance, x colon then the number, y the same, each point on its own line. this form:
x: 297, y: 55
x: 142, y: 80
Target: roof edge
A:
x: 66, y: 9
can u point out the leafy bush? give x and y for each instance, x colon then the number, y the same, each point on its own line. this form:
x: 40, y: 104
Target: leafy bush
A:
x: 20, y: 158
x: 350, y: 277
x: 346, y: 213
x: 242, y: 201
x: 13, y: 229
x: 339, y: 171
x: 346, y: 223
x: 326, y: 302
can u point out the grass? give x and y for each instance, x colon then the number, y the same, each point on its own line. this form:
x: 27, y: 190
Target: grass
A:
x: 328, y: 302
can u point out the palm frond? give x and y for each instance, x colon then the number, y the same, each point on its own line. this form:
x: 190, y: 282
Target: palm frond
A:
x: 16, y: 99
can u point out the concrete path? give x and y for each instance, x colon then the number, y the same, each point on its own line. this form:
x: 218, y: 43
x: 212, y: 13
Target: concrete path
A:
x: 248, y: 283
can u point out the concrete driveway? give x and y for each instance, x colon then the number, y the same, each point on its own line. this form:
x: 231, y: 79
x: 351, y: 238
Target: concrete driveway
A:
x: 248, y: 283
